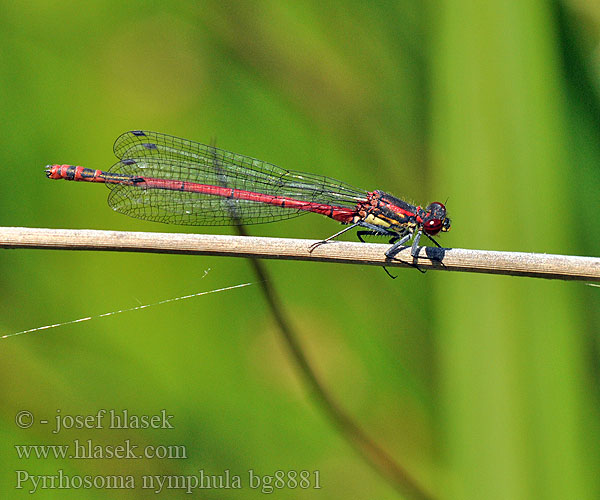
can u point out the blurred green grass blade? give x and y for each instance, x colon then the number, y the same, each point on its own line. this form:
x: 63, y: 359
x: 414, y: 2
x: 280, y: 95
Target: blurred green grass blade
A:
x: 511, y: 365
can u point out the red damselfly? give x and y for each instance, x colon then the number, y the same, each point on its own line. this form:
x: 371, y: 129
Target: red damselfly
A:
x: 167, y: 179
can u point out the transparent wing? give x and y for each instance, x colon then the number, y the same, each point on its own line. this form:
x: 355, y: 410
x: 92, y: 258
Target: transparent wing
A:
x: 160, y: 156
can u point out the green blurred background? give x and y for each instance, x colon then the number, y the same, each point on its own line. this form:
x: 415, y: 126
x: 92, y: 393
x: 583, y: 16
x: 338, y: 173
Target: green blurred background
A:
x: 480, y: 386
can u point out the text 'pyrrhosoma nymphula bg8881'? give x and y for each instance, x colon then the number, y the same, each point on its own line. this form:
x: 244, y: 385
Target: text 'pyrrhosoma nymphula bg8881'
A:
x: 166, y: 179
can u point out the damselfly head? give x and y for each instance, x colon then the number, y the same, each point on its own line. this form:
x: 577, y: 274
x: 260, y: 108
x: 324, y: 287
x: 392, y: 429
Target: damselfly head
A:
x: 436, y: 220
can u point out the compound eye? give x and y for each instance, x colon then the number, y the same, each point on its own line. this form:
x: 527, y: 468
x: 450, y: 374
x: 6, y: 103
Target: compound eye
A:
x: 433, y: 226
x: 436, y: 206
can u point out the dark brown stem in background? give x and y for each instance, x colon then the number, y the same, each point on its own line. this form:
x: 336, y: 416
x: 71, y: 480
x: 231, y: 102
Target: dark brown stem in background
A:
x: 375, y: 456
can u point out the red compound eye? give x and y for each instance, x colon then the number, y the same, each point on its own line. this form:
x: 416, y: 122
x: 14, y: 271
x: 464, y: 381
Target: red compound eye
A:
x: 432, y: 226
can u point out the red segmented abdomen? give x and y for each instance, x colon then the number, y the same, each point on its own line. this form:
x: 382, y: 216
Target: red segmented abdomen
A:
x: 344, y: 215
x: 341, y: 214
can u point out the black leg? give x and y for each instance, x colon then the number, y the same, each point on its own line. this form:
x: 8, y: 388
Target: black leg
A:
x: 398, y: 242
x: 389, y: 274
x: 393, y: 240
x: 395, y: 248
x: 437, y: 244
x: 360, y: 234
